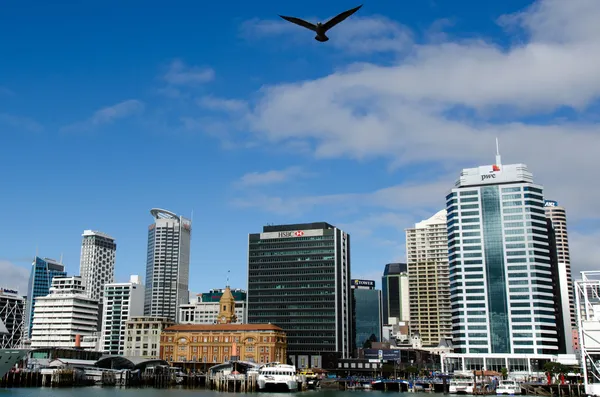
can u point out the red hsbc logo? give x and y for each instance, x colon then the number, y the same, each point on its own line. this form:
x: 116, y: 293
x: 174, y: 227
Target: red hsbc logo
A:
x: 299, y: 233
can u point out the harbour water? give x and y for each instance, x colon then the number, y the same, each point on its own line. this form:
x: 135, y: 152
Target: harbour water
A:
x: 148, y: 392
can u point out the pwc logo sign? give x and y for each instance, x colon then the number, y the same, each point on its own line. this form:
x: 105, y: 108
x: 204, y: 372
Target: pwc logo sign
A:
x: 491, y: 175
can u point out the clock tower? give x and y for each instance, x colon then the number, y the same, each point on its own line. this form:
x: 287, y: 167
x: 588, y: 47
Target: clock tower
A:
x: 226, y: 308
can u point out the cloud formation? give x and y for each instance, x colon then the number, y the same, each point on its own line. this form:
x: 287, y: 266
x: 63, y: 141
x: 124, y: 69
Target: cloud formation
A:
x: 14, y: 277
x: 271, y: 177
x: 19, y: 123
x: 181, y: 74
x: 108, y: 115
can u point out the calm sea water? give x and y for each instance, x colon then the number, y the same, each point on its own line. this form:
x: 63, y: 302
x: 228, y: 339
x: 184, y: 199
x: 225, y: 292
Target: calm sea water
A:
x: 111, y: 392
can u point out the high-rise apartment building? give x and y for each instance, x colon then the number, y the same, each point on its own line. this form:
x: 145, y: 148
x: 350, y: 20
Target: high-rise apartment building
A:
x: 367, y: 313
x: 394, y: 285
x: 97, y: 262
x: 65, y: 317
x: 40, y: 280
x: 121, y: 302
x: 558, y: 217
x: 12, y: 314
x: 501, y: 276
x: 428, y: 283
x: 168, y: 264
x: 299, y: 280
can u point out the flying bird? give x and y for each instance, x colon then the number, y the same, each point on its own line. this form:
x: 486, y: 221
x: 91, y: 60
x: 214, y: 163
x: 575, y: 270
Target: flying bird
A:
x: 322, y: 28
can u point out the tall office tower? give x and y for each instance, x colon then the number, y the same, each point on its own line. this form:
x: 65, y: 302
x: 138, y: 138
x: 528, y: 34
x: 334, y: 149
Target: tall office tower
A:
x: 428, y: 283
x: 206, y: 309
x: 558, y: 217
x: 40, y: 280
x: 12, y: 314
x: 394, y: 285
x: 97, y: 264
x: 299, y: 280
x: 561, y: 295
x: 64, y: 317
x: 121, y: 302
x: 168, y: 264
x: 501, y: 281
x: 366, y: 312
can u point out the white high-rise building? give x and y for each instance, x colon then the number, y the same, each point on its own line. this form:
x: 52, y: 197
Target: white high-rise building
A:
x: 501, y: 277
x: 97, y: 263
x: 121, y: 302
x: 428, y: 283
x: 63, y: 318
x: 168, y: 264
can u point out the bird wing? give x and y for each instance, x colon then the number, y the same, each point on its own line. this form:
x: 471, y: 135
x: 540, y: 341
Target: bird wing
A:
x: 300, y: 22
x: 335, y: 20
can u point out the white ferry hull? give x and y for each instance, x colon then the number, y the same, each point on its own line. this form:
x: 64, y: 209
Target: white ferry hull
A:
x: 291, y: 385
x: 459, y: 389
x: 8, y: 359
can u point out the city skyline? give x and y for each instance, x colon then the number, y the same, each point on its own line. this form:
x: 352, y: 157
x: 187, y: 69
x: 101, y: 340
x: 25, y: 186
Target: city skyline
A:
x: 283, y: 139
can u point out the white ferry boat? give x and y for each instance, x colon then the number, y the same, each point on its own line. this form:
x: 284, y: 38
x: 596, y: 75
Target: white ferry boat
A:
x: 8, y: 359
x: 509, y: 387
x: 277, y: 376
x: 461, y: 384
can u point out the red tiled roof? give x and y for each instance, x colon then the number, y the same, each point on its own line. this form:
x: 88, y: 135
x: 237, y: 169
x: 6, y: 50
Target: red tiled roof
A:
x: 222, y: 327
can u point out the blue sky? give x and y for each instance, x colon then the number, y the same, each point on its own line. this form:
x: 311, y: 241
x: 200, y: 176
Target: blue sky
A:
x: 109, y: 109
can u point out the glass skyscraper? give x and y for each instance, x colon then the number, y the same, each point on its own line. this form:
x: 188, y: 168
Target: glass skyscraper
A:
x: 40, y: 280
x: 501, y: 278
x: 299, y: 280
x: 366, y: 311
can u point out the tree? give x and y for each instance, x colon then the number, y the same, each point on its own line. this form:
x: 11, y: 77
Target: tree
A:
x: 369, y: 342
x: 504, y: 372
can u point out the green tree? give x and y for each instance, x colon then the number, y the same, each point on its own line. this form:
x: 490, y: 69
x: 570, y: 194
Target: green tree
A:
x: 504, y: 372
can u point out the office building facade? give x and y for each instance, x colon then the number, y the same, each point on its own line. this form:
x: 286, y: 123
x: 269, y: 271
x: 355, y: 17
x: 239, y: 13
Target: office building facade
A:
x: 501, y: 281
x: 168, y: 264
x: 66, y: 318
x: 299, y: 279
x: 367, y: 312
x: 43, y: 271
x: 428, y: 282
x: 12, y: 314
x: 142, y: 336
x: 97, y: 262
x: 394, y: 285
x: 121, y: 302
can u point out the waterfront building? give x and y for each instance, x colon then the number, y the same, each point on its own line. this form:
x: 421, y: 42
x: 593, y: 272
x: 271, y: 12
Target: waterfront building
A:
x: 205, y: 309
x: 121, y: 302
x: 299, y: 280
x: 366, y: 312
x: 66, y: 318
x: 142, y: 336
x: 40, y: 280
x: 168, y: 264
x: 12, y: 315
x: 396, y: 298
x: 203, y: 345
x: 428, y: 283
x: 501, y: 273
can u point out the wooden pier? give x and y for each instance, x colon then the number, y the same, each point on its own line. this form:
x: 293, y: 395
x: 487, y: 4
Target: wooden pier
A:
x: 234, y: 383
x: 555, y: 390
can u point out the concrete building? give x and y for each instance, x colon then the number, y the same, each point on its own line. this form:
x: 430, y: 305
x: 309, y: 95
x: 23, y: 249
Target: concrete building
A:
x: 121, y: 302
x: 205, y: 309
x: 428, y: 283
x: 12, y: 314
x: 299, y: 280
x: 394, y: 284
x: 64, y: 317
x: 142, y: 336
x: 97, y: 262
x: 168, y: 264
x: 501, y: 276
x: 43, y: 271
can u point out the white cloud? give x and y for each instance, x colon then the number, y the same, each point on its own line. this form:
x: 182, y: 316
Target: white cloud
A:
x: 108, y: 115
x: 227, y: 105
x: 584, y: 249
x: 14, y: 277
x: 19, y: 123
x: 181, y: 74
x: 270, y: 177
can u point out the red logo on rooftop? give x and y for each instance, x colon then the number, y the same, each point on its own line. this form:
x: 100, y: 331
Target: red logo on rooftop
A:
x: 495, y: 168
x: 299, y: 233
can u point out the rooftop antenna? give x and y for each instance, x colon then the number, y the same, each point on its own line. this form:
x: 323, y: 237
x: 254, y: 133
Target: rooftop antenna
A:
x: 498, y: 159
x: 228, y: 278
x: 61, y: 258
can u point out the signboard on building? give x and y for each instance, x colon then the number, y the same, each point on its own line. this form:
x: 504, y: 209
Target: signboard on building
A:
x: 550, y: 203
x: 292, y: 234
x: 362, y: 284
x: 383, y: 354
x: 493, y: 174
x: 6, y: 291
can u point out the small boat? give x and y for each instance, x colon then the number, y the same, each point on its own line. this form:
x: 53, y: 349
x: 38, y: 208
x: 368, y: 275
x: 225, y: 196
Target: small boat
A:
x: 461, y: 384
x: 312, y: 381
x: 508, y: 386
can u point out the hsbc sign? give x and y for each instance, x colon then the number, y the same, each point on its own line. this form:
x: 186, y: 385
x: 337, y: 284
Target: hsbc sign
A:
x: 292, y: 234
